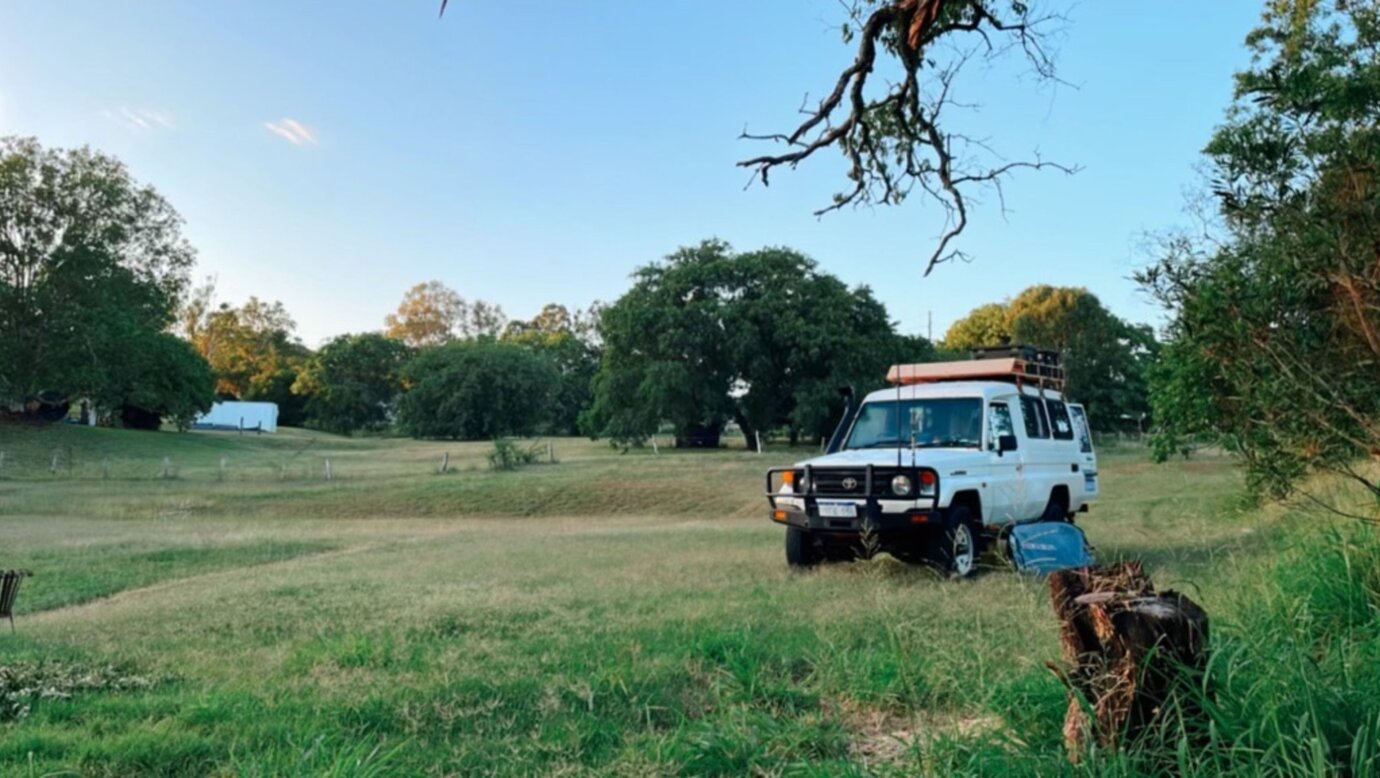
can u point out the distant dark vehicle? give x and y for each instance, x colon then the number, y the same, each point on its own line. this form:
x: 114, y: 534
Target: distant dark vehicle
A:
x: 139, y: 419
x: 700, y: 436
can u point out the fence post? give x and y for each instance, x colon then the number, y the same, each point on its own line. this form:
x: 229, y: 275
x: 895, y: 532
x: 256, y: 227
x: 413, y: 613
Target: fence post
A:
x: 328, y: 469
x: 167, y: 467
x: 220, y: 471
x: 445, y: 462
x: 52, y: 468
x: 2, y: 462
x: 550, y: 453
x: 655, y: 450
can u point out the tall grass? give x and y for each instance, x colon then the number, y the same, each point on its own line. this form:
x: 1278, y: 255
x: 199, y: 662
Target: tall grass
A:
x: 1292, y: 688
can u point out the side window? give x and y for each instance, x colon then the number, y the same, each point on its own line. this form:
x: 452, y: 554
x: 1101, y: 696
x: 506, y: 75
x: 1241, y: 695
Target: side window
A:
x: 1084, y: 436
x: 1036, y: 424
x: 998, y: 424
x: 1060, y: 423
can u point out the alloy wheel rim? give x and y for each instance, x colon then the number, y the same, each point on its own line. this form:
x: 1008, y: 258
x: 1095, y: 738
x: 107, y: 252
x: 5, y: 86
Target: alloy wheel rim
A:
x: 963, y: 550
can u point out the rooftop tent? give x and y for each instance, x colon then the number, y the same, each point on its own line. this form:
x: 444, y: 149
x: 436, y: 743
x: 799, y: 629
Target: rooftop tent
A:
x: 236, y: 415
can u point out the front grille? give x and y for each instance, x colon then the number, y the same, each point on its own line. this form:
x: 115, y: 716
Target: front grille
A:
x: 840, y: 481
x: 852, y: 482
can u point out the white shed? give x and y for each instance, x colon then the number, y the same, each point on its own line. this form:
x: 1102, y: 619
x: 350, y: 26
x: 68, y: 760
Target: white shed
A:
x: 236, y: 415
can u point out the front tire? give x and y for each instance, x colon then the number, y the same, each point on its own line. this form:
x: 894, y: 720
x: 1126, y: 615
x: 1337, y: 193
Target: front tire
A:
x: 961, y: 545
x: 801, y: 552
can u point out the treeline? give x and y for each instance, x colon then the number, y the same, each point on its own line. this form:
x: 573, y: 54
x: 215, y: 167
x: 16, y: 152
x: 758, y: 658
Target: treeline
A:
x: 96, y: 304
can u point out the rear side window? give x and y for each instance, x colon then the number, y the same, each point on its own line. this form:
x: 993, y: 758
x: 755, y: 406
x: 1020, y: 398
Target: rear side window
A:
x: 1032, y: 410
x: 1059, y: 421
x: 998, y: 424
x: 1080, y: 420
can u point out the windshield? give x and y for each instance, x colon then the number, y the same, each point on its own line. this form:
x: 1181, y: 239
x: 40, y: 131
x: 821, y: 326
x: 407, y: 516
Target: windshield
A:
x: 931, y: 423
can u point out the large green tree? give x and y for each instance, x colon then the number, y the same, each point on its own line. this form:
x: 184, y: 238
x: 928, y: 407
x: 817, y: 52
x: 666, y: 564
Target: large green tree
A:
x: 1274, y: 344
x: 353, y: 382
x: 565, y: 340
x: 91, y: 266
x: 763, y: 338
x: 471, y: 390
x: 162, y: 378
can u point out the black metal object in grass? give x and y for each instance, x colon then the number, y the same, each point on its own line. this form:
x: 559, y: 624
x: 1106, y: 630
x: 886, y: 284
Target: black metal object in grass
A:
x: 9, y: 590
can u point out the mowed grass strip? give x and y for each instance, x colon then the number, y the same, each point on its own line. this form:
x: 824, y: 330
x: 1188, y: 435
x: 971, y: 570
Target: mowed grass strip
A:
x: 75, y: 575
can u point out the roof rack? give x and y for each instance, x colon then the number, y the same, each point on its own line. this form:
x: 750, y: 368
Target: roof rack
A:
x: 1018, y: 364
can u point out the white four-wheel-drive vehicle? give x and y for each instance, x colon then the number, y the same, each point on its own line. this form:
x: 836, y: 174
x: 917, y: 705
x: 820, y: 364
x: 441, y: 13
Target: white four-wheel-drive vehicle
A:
x: 932, y: 469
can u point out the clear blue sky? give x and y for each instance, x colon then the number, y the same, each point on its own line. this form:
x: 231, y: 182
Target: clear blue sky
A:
x: 531, y: 151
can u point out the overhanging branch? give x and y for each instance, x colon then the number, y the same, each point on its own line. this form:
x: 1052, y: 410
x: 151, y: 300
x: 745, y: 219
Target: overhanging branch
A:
x: 893, y: 142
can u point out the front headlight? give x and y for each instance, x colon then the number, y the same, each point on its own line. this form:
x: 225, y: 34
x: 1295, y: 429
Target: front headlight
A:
x: 900, y: 485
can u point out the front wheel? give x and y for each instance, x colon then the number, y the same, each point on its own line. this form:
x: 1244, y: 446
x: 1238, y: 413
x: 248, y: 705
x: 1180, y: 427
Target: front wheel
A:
x: 801, y: 551
x: 960, y: 545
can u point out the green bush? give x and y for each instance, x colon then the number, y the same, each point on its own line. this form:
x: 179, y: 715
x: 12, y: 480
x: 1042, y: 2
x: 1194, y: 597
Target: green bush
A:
x: 507, y: 455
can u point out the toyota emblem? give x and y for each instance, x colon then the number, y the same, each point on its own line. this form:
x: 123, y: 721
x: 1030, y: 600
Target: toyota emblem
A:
x: 850, y: 484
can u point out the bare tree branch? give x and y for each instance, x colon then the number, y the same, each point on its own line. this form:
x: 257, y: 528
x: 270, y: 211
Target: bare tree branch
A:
x: 894, y: 142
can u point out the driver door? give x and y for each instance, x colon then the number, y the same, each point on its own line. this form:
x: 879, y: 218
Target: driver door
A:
x: 1004, y: 494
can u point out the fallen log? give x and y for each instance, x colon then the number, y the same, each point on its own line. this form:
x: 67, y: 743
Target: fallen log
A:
x: 1134, y: 658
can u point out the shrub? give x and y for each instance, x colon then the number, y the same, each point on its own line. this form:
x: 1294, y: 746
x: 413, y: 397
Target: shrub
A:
x: 507, y: 455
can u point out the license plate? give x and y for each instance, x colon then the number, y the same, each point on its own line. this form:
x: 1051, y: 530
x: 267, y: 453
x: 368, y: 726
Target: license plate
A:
x: 1090, y: 484
x: 837, y: 510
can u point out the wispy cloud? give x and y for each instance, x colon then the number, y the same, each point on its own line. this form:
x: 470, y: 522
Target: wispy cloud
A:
x: 139, y: 119
x: 292, y: 131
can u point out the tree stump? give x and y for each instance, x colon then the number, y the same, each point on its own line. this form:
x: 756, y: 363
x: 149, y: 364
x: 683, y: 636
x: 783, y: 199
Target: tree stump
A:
x: 1134, y: 658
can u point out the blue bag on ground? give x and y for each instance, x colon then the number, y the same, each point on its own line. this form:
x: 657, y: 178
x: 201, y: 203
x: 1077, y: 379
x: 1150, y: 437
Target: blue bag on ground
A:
x: 1046, y: 546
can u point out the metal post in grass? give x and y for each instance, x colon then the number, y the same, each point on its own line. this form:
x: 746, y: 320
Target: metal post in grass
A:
x: 167, y: 467
x: 2, y: 463
x: 445, y: 463
x: 328, y: 469
x: 550, y: 453
x: 105, y: 468
x: 220, y: 471
x: 52, y: 468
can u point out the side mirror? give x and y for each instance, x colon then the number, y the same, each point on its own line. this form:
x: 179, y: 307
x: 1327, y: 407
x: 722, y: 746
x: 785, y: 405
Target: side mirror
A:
x: 1006, y: 443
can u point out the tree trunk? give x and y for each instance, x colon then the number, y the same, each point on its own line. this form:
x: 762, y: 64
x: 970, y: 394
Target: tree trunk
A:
x: 1133, y: 658
x: 749, y: 432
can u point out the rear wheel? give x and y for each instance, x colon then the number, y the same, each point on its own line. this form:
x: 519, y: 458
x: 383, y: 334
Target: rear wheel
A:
x: 961, y: 544
x: 801, y: 551
x: 1057, y: 509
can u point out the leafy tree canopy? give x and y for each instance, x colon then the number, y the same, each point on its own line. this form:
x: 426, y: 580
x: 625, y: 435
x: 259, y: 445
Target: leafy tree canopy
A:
x: 569, y: 341
x: 91, y: 263
x: 1105, y: 358
x: 353, y: 382
x: 472, y: 390
x: 432, y: 313
x: 252, y: 349
x: 763, y: 338
x: 162, y: 378
x: 1274, y: 343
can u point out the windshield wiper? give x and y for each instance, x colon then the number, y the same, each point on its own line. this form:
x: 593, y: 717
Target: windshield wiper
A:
x: 950, y: 443
x: 883, y: 443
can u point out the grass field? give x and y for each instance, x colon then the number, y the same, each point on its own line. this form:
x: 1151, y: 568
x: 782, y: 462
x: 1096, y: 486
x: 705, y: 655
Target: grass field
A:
x: 608, y: 614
